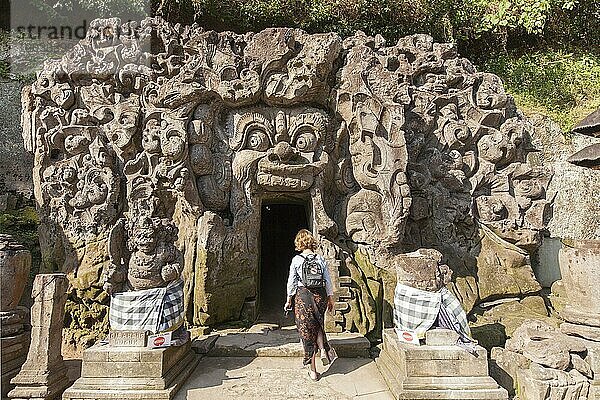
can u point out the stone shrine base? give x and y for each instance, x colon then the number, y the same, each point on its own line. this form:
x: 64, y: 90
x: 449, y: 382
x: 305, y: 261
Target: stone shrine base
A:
x: 436, y: 370
x: 111, y: 372
x: 14, y: 343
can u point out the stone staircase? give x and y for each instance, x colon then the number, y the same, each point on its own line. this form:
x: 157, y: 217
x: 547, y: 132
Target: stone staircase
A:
x: 264, y: 340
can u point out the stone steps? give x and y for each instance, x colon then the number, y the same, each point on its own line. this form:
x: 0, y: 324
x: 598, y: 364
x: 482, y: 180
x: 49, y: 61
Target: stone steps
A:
x: 275, y: 343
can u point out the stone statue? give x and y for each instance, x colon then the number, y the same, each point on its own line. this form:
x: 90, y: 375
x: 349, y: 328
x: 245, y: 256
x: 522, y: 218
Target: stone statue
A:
x: 422, y: 300
x: 150, y: 260
x: 423, y: 269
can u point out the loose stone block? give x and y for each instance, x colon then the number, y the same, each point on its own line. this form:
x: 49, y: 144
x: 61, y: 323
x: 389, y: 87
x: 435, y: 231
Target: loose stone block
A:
x: 540, y: 383
x: 505, y: 365
x: 593, y: 359
x: 14, y: 321
x: 584, y: 331
x: 15, y: 263
x: 435, y: 372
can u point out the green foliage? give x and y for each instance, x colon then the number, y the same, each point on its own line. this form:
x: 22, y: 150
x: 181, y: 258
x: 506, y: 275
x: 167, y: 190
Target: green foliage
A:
x: 67, y: 11
x: 21, y: 223
x: 530, y: 21
x: 564, y: 86
x: 526, y: 14
x: 477, y: 26
x: 520, y: 40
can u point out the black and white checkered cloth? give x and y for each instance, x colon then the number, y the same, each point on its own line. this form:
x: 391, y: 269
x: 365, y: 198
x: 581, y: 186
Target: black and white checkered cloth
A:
x: 417, y: 310
x: 155, y: 310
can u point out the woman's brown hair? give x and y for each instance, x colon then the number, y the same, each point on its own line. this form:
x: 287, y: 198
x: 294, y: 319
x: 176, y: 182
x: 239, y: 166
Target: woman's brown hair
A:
x: 305, y: 240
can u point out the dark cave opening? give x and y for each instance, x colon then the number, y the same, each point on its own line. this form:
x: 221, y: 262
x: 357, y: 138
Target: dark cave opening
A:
x: 279, y: 225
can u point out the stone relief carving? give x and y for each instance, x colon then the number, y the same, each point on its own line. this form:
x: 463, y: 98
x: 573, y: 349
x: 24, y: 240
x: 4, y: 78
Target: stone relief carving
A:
x: 172, y: 149
x: 150, y: 260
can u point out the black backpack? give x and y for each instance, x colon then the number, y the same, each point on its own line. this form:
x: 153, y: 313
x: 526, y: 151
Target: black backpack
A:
x: 312, y: 272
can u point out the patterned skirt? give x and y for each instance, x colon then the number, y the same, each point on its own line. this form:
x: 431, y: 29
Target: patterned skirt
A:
x: 309, y: 309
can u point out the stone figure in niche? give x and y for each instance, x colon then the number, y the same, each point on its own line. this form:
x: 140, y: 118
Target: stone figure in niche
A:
x: 144, y: 279
x: 150, y: 259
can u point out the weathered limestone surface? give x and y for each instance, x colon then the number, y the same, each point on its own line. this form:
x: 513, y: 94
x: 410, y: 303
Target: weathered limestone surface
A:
x: 392, y: 147
x: 15, y: 264
x: 574, y: 190
x: 43, y: 376
x: 541, y: 362
x: 504, y: 365
x: 579, y: 267
x: 423, y: 269
x: 579, y: 216
x: 545, y: 345
x: 540, y: 383
x: 436, y: 370
x: 584, y: 331
x: 559, y: 363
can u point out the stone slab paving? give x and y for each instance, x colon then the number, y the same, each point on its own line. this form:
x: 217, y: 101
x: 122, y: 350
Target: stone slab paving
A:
x: 249, y: 378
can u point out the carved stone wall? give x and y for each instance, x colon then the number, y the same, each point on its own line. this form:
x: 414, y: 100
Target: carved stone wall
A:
x: 394, y: 148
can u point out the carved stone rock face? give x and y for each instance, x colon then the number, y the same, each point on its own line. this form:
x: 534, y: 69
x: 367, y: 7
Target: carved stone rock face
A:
x: 391, y: 149
x: 286, y: 145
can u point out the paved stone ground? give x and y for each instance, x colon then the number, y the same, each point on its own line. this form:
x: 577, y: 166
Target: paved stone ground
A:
x: 232, y: 370
x: 250, y: 378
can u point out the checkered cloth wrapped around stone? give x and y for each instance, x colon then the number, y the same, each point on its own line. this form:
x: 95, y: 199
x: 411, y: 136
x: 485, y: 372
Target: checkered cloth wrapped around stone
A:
x: 155, y: 310
x: 416, y: 310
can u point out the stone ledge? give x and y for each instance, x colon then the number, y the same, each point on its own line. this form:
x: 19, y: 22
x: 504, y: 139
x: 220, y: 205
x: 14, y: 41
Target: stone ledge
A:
x: 466, y: 394
x: 278, y: 343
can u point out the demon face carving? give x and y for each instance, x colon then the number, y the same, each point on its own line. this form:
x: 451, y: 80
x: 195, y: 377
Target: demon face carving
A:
x: 286, y: 145
x: 281, y: 150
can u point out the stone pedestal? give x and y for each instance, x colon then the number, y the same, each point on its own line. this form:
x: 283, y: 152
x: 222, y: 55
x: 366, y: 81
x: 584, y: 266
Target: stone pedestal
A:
x: 440, y: 371
x: 44, y: 375
x: 124, y: 372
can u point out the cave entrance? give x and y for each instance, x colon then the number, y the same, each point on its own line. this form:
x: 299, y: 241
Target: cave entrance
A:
x: 278, y: 227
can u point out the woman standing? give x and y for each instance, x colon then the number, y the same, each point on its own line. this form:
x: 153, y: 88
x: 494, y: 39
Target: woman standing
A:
x: 309, y: 285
